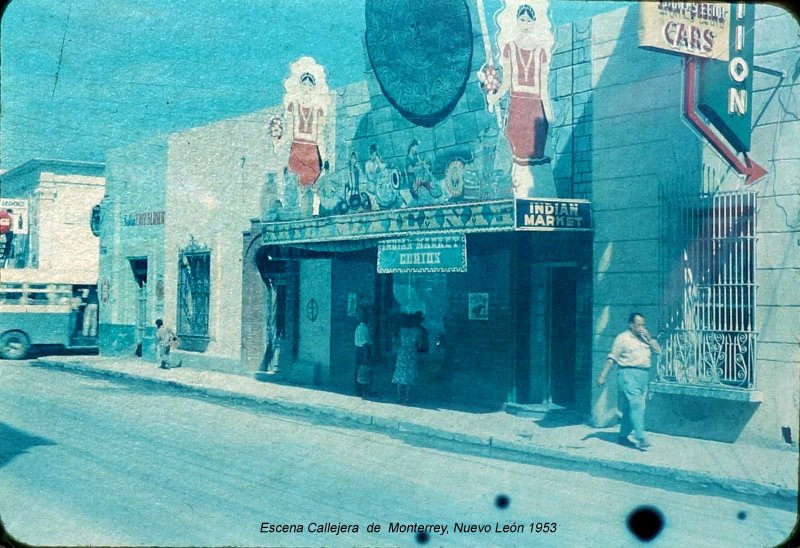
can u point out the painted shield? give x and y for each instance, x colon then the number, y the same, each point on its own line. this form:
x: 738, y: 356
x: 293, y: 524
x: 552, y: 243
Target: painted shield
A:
x: 421, y: 54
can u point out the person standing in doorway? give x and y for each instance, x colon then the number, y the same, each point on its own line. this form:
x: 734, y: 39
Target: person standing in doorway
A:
x: 363, y: 342
x: 166, y: 341
x: 90, y: 313
x: 405, y: 371
x: 631, y: 352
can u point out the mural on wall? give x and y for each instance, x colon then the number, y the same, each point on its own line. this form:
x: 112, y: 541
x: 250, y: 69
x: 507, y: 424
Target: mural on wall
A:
x: 525, y: 42
x: 489, y: 157
x: 421, y: 56
x: 381, y: 180
x: 308, y: 105
x: 276, y: 127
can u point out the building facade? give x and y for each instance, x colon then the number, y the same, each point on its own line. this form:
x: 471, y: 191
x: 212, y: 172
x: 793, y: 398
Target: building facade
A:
x: 610, y: 172
x: 50, y: 205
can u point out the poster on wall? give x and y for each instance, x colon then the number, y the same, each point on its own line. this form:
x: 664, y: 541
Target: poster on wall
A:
x: 478, y: 304
x: 352, y: 304
x: 14, y: 242
x: 18, y: 214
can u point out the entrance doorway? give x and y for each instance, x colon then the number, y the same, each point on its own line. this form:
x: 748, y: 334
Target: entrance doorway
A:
x: 562, y: 330
x: 551, y: 378
x: 139, y: 269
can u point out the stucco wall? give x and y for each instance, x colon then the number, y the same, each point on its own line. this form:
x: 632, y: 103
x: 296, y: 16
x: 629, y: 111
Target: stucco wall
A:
x: 135, y: 185
x: 64, y: 209
x: 214, y: 183
x: 641, y: 143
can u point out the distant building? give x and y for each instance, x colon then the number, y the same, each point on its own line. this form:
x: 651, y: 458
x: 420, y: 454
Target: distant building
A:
x: 51, y: 204
x: 176, y: 208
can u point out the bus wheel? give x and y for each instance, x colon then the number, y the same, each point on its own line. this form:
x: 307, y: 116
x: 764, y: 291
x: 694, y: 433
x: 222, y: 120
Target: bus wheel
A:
x: 14, y: 345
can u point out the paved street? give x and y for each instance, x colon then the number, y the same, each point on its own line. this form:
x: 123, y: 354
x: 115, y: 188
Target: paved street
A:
x: 86, y: 460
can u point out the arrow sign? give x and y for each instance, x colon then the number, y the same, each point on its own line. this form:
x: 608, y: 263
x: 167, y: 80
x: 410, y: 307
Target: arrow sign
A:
x: 751, y: 170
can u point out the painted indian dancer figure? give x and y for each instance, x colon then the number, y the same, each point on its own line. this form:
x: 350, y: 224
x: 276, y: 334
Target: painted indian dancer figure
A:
x: 525, y: 40
x: 307, y: 101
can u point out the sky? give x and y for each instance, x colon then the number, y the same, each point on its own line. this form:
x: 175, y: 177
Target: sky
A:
x: 79, y: 77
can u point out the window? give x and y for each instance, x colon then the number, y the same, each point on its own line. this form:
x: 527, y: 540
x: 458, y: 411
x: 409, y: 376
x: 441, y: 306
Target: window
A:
x: 194, y: 274
x: 709, y: 302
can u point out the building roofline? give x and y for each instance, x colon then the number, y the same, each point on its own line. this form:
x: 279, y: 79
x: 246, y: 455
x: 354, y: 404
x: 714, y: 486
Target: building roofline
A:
x: 41, y: 164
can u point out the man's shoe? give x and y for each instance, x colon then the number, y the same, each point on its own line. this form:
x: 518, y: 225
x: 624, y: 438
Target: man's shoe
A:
x: 643, y: 445
x: 626, y: 441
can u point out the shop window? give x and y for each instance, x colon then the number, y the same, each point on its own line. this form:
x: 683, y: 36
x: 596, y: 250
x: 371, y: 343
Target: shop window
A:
x: 709, y: 282
x: 425, y: 293
x: 194, y: 276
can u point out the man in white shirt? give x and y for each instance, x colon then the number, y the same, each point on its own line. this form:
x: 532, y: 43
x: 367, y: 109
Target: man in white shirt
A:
x: 631, y: 352
x: 166, y: 340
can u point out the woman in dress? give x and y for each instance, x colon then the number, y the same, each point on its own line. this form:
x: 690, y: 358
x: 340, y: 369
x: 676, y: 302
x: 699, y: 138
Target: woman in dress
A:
x: 525, y: 40
x: 405, y: 371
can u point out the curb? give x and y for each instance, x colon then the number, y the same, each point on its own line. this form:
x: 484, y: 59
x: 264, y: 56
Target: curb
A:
x: 499, y: 447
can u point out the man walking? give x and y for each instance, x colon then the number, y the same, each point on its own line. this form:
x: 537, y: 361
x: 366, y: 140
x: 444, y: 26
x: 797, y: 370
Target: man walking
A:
x: 166, y: 340
x: 631, y: 352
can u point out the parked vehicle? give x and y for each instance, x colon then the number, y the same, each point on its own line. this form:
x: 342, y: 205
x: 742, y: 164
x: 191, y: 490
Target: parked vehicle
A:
x: 37, y: 310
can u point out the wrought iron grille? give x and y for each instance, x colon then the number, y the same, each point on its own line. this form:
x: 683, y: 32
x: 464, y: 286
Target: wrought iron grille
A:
x: 194, y: 268
x: 709, y: 281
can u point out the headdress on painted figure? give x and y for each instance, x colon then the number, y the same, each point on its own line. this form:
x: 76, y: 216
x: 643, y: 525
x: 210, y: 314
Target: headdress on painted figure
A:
x: 307, y: 70
x: 506, y: 20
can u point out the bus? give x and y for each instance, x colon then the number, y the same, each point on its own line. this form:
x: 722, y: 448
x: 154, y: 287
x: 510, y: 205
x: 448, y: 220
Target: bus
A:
x: 45, y: 309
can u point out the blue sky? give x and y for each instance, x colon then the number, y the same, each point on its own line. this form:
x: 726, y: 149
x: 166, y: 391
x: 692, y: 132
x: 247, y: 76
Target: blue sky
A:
x: 81, y: 76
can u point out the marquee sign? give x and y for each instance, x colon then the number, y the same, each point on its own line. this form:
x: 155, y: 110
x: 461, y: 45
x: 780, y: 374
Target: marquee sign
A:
x: 690, y: 28
x: 423, y: 254
x: 553, y: 215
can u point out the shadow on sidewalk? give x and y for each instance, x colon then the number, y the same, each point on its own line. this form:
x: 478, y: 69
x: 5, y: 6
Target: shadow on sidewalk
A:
x: 561, y: 418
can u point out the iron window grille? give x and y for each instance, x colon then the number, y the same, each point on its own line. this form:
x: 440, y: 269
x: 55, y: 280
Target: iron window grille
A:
x: 709, y: 281
x: 194, y: 281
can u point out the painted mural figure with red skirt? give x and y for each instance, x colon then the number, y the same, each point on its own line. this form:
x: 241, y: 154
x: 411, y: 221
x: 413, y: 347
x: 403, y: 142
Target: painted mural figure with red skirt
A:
x: 307, y: 102
x: 525, y: 41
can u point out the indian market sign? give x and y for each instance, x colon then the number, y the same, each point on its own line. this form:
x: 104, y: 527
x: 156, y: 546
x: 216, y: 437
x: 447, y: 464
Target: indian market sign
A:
x: 423, y: 254
x: 725, y: 89
x: 553, y: 215
x: 700, y: 29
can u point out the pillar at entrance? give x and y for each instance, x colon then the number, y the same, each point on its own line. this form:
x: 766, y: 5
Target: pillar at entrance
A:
x: 253, y: 291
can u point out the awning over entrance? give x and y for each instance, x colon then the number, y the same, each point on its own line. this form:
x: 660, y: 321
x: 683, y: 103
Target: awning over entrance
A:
x: 491, y: 216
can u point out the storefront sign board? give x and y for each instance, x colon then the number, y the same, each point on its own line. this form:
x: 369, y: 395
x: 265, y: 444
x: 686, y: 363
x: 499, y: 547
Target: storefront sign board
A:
x: 423, y: 254
x: 700, y: 29
x: 553, y: 215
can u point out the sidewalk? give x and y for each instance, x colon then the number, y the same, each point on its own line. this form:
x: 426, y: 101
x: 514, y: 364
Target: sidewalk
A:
x: 735, y: 467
